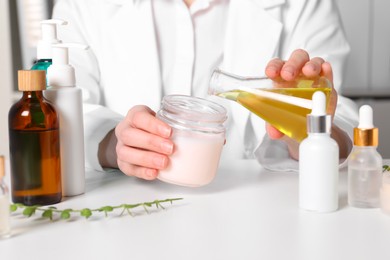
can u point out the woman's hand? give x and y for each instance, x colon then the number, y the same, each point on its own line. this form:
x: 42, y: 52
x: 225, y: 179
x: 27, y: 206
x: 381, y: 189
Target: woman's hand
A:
x: 142, y: 144
x: 300, y: 63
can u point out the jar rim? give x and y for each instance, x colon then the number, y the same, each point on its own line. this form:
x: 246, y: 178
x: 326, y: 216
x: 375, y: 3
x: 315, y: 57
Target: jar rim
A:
x: 193, y: 112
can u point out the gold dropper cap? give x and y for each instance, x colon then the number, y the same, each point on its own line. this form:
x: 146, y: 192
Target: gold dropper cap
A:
x: 365, y: 134
x: 365, y: 137
x: 2, y: 167
x: 31, y: 80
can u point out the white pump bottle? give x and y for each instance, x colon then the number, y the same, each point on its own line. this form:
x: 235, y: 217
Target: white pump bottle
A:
x: 318, y: 161
x: 67, y: 99
x: 364, y: 163
x: 49, y: 37
x: 44, y: 48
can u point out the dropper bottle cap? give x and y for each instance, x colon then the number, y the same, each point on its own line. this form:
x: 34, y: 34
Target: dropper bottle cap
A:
x: 61, y: 73
x: 31, y: 80
x: 49, y: 37
x: 318, y: 121
x: 365, y: 134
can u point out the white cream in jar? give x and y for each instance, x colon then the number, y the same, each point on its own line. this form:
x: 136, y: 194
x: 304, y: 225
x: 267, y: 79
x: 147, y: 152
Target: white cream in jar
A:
x: 198, y: 134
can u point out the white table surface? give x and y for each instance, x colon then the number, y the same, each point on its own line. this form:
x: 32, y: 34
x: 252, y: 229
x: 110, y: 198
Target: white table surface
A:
x: 245, y: 213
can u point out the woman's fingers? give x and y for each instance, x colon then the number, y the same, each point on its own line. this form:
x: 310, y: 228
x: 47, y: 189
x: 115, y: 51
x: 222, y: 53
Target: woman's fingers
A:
x: 273, y: 68
x: 143, y: 143
x: 137, y: 138
x: 293, y: 66
x: 142, y: 117
x: 313, y: 67
x: 137, y: 171
x: 299, y: 63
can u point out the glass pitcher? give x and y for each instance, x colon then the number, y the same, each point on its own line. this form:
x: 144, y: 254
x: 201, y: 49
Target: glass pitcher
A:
x: 283, y: 104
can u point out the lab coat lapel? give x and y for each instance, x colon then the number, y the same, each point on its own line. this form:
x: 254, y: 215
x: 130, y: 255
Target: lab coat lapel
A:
x: 138, y: 64
x: 252, y: 39
x: 252, y: 35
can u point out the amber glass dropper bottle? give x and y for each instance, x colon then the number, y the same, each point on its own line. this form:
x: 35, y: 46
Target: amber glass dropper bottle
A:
x: 34, y: 144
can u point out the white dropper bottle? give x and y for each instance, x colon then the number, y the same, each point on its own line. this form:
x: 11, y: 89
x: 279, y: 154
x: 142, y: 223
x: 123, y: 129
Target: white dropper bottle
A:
x: 67, y: 99
x: 364, y: 163
x: 44, y: 48
x: 318, y: 161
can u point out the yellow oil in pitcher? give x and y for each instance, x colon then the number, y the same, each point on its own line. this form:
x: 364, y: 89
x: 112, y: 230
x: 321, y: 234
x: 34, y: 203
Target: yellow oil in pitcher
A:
x: 288, y: 118
x: 283, y: 104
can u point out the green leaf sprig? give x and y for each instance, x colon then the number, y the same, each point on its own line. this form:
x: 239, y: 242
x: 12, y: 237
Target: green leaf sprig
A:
x: 386, y: 168
x: 50, y: 212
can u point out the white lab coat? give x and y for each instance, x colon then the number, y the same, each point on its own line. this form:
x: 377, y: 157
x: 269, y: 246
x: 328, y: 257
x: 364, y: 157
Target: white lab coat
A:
x: 121, y: 69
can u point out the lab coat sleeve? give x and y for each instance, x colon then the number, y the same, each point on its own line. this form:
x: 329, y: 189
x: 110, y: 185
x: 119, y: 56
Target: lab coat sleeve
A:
x: 98, y: 120
x: 314, y: 26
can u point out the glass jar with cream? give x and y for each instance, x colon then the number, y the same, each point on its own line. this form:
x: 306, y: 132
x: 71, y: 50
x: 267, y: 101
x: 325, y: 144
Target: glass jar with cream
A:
x: 198, y: 135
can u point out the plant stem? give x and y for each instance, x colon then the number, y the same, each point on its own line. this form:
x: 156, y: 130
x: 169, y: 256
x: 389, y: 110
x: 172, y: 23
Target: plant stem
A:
x: 47, y: 212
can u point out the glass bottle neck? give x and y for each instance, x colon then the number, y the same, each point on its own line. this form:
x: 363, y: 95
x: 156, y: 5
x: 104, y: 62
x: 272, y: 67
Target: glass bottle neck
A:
x: 33, y: 94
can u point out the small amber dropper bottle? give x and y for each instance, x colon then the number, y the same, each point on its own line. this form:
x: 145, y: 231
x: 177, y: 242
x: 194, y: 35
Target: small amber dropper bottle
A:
x: 34, y: 144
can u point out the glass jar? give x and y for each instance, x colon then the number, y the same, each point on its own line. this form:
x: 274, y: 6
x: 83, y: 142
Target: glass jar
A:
x: 198, y: 134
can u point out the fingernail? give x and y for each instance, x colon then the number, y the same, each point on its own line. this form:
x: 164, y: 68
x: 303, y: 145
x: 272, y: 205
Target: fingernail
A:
x: 272, y: 69
x: 151, y: 173
x: 311, y: 67
x: 167, y: 147
x: 288, y: 71
x: 165, y: 131
x: 159, y: 161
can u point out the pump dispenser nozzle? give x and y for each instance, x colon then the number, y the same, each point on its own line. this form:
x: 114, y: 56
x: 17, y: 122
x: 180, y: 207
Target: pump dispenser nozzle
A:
x: 61, y: 73
x: 49, y: 37
x: 365, y: 134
